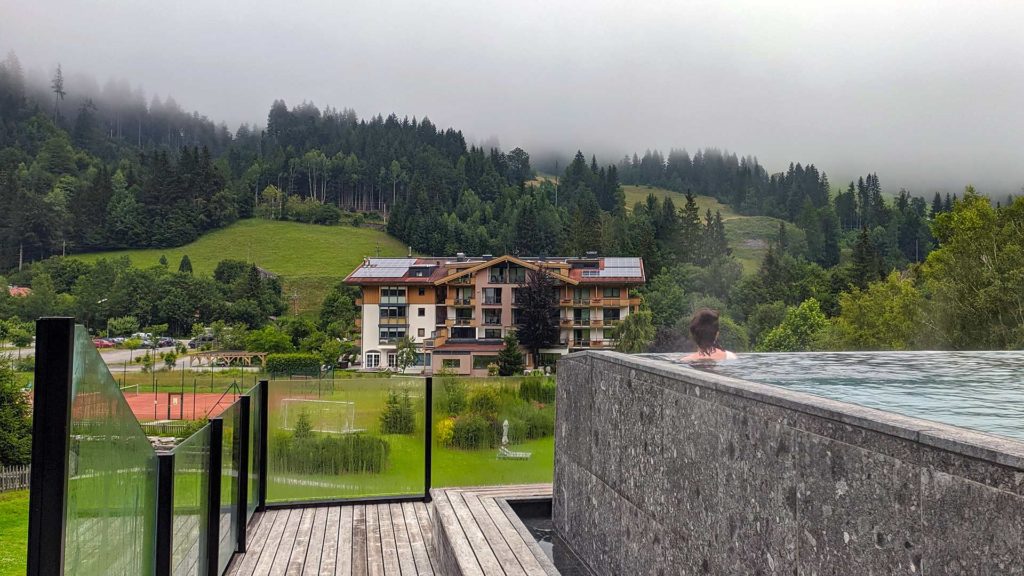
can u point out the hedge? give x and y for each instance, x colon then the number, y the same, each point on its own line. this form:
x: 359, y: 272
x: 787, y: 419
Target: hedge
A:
x: 308, y: 364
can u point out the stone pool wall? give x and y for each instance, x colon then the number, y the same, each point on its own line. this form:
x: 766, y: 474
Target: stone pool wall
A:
x: 662, y: 469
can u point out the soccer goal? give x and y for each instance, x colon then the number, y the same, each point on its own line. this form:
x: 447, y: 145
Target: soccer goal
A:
x: 330, y: 416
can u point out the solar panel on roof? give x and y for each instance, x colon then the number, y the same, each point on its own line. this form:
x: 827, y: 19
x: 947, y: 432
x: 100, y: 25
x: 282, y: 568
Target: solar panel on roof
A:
x: 618, y: 262
x: 620, y: 271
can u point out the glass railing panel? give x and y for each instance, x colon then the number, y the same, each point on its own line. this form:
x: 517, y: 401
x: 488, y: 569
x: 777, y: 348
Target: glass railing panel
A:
x: 472, y: 446
x: 254, y: 453
x: 111, y: 509
x: 188, y: 527
x: 228, y: 486
x: 333, y: 439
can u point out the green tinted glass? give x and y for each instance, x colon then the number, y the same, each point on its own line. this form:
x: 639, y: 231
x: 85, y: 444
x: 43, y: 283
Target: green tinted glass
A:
x: 470, y: 433
x: 191, y: 474
x: 254, y: 466
x: 345, y: 438
x: 228, y: 486
x: 111, y: 510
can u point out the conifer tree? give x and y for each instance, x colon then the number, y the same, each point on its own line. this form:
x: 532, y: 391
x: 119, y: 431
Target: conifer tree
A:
x: 510, y: 358
x: 185, y: 267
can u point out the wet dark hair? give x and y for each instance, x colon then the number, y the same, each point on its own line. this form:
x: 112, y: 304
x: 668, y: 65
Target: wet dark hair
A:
x: 704, y: 329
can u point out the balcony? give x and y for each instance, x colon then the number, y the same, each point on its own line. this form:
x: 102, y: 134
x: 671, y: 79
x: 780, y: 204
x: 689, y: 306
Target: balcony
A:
x: 565, y: 301
x: 394, y: 321
x: 464, y: 321
x: 581, y: 322
x: 492, y: 302
x: 459, y: 302
x: 565, y: 322
x: 597, y: 323
x: 581, y: 343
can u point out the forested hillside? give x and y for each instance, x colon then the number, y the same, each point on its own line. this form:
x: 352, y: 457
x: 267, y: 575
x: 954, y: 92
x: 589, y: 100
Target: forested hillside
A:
x: 84, y: 171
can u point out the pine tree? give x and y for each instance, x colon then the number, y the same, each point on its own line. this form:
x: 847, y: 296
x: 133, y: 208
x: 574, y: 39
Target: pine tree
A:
x: 866, y: 265
x: 185, y: 267
x: 690, y: 229
x: 510, y: 358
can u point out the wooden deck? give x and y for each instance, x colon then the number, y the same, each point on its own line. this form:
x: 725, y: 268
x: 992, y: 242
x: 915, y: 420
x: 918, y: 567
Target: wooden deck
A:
x: 476, y: 533
x: 350, y: 540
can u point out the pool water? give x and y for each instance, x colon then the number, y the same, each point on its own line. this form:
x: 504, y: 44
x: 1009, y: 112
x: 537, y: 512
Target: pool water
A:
x: 983, y: 391
x: 536, y: 516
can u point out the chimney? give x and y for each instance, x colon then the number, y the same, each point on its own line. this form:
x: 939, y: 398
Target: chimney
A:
x: 460, y: 256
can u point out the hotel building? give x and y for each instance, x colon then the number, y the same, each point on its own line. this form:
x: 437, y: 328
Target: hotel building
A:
x: 458, y: 309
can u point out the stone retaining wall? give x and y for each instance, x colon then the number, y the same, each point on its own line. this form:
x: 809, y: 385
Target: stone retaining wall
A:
x: 662, y: 469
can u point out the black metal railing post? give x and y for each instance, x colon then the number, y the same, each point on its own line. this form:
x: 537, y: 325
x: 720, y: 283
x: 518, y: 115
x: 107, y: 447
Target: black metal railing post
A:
x: 428, y: 435
x: 51, y: 440
x: 242, y: 465
x: 213, y: 497
x: 262, y: 443
x: 164, y: 512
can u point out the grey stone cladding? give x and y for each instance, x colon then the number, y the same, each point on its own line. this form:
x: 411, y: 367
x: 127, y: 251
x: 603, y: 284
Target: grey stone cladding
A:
x: 662, y: 469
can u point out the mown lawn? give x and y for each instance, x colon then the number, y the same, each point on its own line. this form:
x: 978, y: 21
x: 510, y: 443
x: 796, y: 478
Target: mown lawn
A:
x: 13, y: 532
x: 309, y: 258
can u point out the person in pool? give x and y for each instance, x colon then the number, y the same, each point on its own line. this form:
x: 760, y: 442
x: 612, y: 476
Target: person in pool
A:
x: 704, y: 331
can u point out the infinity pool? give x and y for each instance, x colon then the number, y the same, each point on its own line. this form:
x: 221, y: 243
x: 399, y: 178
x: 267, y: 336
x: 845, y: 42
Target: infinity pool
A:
x: 983, y: 391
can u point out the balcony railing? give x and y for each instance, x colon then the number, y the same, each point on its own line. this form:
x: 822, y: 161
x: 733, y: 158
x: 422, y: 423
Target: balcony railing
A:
x: 597, y: 322
x: 394, y: 320
x: 566, y: 322
x: 492, y: 301
x: 464, y: 321
x: 581, y: 321
x: 460, y: 302
x: 581, y: 343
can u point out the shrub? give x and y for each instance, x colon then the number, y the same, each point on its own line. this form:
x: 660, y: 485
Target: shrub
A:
x: 284, y: 364
x: 484, y: 401
x: 537, y: 388
x: 470, y: 431
x: 445, y: 431
x: 398, y: 416
x: 328, y: 454
x: 454, y: 394
x: 25, y: 364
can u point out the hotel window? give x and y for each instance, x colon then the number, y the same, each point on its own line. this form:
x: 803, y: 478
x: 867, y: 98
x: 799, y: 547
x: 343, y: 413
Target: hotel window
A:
x: 421, y: 312
x: 516, y: 275
x: 422, y: 292
x: 389, y: 334
x: 492, y: 295
x: 611, y: 292
x: 492, y: 317
x: 612, y: 314
x: 492, y: 333
x: 372, y: 359
x: 392, y: 295
x: 421, y: 332
x: 515, y: 295
x: 392, y: 359
x: 451, y: 363
x: 393, y: 312
x: 580, y: 293
x: 497, y: 274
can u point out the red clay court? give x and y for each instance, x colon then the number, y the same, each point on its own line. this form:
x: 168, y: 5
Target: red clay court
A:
x: 185, y: 406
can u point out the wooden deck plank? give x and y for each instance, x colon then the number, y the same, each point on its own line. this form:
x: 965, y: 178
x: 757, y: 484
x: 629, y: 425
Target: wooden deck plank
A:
x: 388, y: 545
x: 426, y: 528
x: 494, y: 539
x: 245, y: 564
x: 269, y: 552
x: 417, y: 545
x: 532, y: 544
x: 405, y: 558
x: 478, y: 543
x: 302, y: 534
x: 374, y: 552
x: 456, y: 538
x: 360, y: 562
x: 512, y: 537
x: 287, y: 545
x: 315, y: 549
x: 329, y: 556
x: 346, y: 544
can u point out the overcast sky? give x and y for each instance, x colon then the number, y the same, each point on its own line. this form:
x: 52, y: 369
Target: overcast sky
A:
x: 926, y: 94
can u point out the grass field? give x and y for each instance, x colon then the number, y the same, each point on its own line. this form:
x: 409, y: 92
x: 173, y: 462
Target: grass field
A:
x: 309, y: 258
x: 13, y: 532
x: 636, y: 194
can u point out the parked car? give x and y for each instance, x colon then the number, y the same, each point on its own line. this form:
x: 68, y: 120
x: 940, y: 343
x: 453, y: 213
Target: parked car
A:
x: 200, y: 340
x: 166, y: 341
x: 102, y: 343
